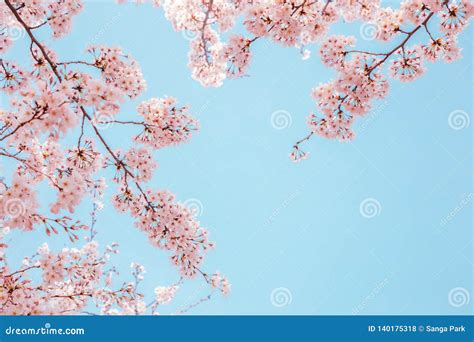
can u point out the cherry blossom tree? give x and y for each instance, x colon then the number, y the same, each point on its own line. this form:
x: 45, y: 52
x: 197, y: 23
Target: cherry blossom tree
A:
x: 362, y: 76
x: 50, y: 101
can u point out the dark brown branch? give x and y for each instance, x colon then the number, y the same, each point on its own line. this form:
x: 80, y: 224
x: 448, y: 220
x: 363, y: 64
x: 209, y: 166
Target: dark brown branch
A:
x: 53, y: 66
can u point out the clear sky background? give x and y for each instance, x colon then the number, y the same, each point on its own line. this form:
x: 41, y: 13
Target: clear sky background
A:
x: 297, y: 226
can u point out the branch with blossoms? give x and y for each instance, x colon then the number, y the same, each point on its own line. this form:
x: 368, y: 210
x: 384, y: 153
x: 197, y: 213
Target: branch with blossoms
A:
x: 51, y: 100
x: 361, y: 77
x: 74, y: 281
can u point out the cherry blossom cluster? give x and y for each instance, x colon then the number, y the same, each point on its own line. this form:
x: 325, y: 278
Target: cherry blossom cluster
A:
x: 74, y: 280
x: 169, y: 225
x: 165, y: 124
x: 51, y: 103
x: 68, y: 279
x: 220, y: 282
x: 57, y: 15
x: 361, y: 78
x: 142, y: 162
x: 212, y: 60
x: 362, y: 75
x: 119, y: 70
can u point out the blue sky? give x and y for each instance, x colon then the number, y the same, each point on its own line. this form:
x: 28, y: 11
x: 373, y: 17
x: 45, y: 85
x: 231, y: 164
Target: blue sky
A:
x: 298, y: 226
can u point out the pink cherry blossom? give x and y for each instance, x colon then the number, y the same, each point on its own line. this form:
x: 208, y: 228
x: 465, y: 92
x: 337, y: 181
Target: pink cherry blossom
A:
x: 51, y: 103
x: 362, y: 75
